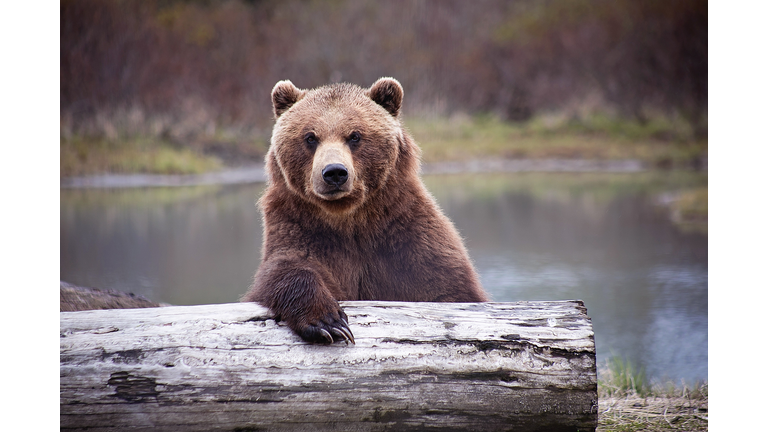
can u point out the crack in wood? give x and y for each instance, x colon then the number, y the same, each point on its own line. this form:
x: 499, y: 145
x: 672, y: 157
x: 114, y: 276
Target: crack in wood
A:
x: 132, y: 388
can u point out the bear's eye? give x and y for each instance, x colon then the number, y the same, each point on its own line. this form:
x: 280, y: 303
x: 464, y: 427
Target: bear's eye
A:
x: 311, y: 139
x: 354, y: 137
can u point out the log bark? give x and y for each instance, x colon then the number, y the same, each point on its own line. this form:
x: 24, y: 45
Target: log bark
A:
x: 524, y: 366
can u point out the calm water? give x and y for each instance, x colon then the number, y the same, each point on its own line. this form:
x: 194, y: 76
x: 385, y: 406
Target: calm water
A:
x: 596, y: 237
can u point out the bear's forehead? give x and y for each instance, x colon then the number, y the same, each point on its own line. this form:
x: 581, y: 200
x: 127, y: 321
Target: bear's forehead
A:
x: 338, y: 97
x: 336, y: 108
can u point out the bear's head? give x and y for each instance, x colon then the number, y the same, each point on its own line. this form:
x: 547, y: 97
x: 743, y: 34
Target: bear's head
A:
x: 337, y: 145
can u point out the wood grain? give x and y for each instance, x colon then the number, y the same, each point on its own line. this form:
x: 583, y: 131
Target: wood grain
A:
x: 458, y: 366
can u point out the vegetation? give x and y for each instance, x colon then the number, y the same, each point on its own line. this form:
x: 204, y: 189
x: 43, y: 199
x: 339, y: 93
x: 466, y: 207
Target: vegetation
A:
x: 193, y: 78
x: 621, y: 376
x: 82, y: 156
x: 628, y: 401
x: 660, y: 143
x: 197, y: 63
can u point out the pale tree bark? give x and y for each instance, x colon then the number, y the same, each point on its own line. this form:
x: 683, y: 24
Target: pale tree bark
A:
x: 483, y: 366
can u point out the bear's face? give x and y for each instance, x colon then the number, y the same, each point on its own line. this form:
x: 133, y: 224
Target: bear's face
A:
x: 337, y: 144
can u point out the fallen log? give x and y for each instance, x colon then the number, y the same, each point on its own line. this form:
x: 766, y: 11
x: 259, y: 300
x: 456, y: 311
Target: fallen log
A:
x: 74, y: 298
x: 524, y: 366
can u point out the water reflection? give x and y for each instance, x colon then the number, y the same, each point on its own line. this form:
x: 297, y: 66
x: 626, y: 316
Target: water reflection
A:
x: 182, y: 246
x: 595, y: 237
x: 599, y: 238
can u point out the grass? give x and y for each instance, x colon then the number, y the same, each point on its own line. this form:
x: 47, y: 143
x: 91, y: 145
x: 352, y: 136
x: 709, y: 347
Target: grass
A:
x: 628, y: 401
x: 660, y: 142
x: 82, y: 156
x: 622, y: 376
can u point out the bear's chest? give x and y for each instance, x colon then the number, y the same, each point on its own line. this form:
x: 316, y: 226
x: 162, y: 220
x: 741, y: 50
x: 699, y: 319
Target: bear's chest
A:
x: 358, y: 269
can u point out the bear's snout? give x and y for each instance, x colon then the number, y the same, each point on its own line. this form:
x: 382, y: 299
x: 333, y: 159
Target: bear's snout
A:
x: 333, y: 171
x: 335, y: 174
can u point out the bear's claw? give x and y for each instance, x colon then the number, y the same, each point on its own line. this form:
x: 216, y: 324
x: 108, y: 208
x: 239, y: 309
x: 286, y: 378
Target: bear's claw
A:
x: 344, y: 334
x: 328, y: 330
x: 327, y: 336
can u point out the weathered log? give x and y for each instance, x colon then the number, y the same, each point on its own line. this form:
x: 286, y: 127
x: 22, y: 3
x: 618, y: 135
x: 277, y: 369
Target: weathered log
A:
x: 76, y: 298
x: 452, y: 366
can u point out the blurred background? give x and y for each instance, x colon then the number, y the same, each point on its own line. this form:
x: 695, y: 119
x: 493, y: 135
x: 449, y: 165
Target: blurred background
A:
x: 196, y: 75
x: 575, y: 132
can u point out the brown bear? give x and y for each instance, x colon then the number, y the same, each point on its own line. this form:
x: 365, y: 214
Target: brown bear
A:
x: 346, y: 216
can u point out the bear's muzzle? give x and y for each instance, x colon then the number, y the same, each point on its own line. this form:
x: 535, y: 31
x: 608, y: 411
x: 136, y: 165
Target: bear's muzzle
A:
x: 333, y: 172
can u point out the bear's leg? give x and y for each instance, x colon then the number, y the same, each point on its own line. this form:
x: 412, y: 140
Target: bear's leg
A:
x: 297, y: 295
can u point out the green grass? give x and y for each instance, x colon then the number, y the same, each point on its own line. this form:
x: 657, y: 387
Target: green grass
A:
x: 621, y: 376
x: 660, y: 142
x: 84, y: 156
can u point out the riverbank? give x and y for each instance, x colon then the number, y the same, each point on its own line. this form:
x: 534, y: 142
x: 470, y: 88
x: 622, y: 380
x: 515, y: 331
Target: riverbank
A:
x: 688, y: 208
x: 545, y: 143
x: 681, y: 410
x: 256, y: 173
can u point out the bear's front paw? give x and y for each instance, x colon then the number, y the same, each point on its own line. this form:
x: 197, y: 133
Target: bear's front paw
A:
x: 333, y: 326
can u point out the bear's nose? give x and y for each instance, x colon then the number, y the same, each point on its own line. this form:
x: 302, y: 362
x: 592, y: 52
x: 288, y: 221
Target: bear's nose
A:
x: 335, y: 174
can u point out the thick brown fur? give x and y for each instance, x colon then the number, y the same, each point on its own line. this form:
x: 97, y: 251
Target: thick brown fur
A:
x: 378, y: 236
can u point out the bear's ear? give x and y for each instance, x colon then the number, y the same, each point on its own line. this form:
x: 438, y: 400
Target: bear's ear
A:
x: 388, y: 93
x: 284, y: 95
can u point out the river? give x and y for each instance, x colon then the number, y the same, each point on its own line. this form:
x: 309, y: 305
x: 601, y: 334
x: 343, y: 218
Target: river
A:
x: 599, y: 237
